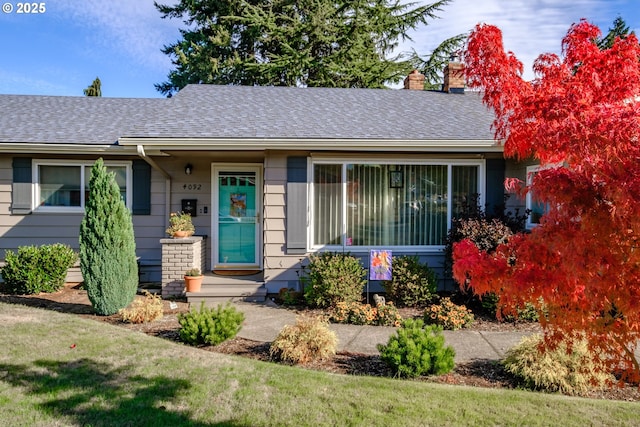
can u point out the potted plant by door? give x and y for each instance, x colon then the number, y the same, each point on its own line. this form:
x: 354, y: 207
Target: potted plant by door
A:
x: 180, y: 225
x: 193, y: 280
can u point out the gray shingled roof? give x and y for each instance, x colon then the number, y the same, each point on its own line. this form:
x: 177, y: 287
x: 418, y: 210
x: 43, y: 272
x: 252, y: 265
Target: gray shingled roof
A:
x: 71, y: 119
x: 205, y: 111
x: 224, y: 112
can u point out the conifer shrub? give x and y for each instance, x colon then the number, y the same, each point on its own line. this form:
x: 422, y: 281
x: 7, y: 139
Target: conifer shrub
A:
x: 333, y: 277
x: 310, y: 339
x: 571, y: 371
x: 107, y: 245
x: 412, y: 283
x: 210, y: 325
x: 417, y: 350
x: 35, y: 269
x: 143, y: 310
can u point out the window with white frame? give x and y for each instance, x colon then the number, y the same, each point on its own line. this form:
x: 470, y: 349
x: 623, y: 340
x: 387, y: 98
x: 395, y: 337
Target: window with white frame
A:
x: 63, y: 186
x: 403, y: 204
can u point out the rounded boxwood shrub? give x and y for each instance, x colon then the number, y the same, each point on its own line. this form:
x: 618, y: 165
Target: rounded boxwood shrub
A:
x: 333, y: 277
x: 35, y: 269
x: 417, y: 350
x: 412, y: 283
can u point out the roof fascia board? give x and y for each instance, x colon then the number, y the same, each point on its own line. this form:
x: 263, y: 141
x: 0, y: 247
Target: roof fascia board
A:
x: 385, y: 145
x: 111, y: 149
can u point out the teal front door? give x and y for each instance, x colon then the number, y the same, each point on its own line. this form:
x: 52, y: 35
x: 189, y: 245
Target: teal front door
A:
x: 237, y: 201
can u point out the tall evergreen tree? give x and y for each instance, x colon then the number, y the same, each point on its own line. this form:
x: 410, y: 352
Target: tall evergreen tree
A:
x: 433, y: 65
x: 292, y: 43
x: 94, y: 88
x: 619, y: 29
x: 107, y: 245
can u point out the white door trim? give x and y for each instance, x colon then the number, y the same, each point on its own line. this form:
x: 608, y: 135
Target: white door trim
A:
x: 215, y: 208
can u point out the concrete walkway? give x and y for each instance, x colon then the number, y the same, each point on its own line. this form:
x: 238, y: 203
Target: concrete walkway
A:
x: 263, y: 322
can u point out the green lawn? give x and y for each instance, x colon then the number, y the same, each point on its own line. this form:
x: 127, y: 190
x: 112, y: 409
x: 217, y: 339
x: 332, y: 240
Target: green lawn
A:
x: 58, y: 369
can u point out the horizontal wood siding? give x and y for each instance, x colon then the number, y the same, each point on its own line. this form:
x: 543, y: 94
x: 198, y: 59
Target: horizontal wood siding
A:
x: 275, y: 224
x: 280, y: 270
x: 40, y: 228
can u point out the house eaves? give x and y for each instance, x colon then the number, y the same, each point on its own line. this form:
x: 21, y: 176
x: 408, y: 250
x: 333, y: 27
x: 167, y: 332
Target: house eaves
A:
x: 260, y: 144
x: 28, y: 148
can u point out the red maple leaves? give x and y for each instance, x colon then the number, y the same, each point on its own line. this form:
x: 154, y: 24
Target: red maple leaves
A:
x: 580, y: 118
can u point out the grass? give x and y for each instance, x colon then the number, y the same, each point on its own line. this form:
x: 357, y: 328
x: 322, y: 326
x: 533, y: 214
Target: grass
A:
x: 58, y: 369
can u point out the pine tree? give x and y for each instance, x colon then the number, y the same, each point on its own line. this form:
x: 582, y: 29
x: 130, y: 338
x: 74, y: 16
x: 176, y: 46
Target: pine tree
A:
x: 284, y: 43
x: 107, y: 245
x: 433, y: 65
x: 93, y: 89
x: 619, y: 29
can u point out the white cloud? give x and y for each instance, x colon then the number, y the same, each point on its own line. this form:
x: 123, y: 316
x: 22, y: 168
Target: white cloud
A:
x: 529, y: 27
x: 133, y: 27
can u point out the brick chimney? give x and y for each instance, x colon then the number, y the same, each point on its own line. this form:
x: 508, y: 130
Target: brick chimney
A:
x: 453, y: 78
x: 414, y: 81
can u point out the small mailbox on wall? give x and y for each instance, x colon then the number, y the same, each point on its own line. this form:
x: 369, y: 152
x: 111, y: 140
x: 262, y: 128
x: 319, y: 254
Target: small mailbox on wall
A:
x: 190, y: 206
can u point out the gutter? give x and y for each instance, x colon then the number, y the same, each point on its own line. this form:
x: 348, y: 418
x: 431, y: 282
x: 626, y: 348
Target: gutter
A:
x: 28, y: 148
x: 342, y: 144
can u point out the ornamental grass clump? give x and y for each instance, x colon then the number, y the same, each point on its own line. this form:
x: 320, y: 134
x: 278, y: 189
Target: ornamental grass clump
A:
x: 310, y: 339
x: 569, y: 369
x: 448, y: 315
x: 210, y: 325
x: 417, y: 350
x: 412, y: 284
x: 143, y: 310
x: 333, y: 277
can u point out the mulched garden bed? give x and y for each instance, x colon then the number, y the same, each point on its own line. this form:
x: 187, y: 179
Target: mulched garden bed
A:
x: 71, y: 299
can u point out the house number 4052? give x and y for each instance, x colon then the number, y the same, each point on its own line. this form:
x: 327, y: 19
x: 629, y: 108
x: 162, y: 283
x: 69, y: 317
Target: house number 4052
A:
x: 192, y: 186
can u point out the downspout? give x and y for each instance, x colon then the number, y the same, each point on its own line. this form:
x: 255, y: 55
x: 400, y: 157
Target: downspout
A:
x: 167, y: 186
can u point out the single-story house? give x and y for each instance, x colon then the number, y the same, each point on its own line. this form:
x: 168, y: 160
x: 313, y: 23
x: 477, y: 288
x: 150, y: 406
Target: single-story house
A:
x: 270, y: 174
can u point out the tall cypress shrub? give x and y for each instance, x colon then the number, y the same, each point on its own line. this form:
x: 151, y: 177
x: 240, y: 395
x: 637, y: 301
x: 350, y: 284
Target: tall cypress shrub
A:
x: 107, y: 245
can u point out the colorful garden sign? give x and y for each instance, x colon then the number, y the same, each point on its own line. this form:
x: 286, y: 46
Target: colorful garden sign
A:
x: 380, y: 264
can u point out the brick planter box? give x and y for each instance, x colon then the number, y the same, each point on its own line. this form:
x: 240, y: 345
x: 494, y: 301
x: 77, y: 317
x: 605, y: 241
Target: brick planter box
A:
x: 178, y: 256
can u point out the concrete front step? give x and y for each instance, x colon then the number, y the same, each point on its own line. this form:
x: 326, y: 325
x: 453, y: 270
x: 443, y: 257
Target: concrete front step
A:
x: 217, y: 289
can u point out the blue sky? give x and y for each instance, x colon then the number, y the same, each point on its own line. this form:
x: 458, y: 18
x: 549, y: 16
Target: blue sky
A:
x: 61, y: 51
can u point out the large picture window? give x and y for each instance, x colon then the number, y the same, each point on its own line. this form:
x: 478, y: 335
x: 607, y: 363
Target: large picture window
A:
x: 391, y: 205
x: 64, y: 185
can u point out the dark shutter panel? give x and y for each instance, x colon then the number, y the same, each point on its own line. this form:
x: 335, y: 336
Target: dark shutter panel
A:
x: 495, y: 184
x: 22, y: 187
x: 141, y: 188
x: 296, y: 205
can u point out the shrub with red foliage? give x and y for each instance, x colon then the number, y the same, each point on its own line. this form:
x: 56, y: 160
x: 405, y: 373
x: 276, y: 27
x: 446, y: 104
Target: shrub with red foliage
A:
x: 583, y: 112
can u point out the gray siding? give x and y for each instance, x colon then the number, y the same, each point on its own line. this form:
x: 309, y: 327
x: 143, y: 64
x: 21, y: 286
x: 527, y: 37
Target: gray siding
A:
x: 39, y: 228
x: 514, y: 169
x: 281, y: 270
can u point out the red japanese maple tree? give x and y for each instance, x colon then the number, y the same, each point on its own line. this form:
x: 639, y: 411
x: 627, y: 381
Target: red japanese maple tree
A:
x: 580, y: 119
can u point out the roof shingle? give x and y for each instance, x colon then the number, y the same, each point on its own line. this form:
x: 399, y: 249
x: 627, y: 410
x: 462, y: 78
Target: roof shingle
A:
x: 228, y: 112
